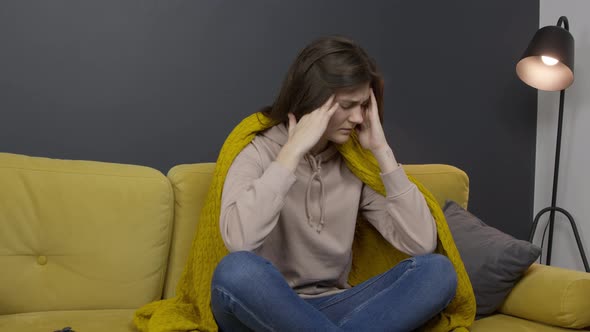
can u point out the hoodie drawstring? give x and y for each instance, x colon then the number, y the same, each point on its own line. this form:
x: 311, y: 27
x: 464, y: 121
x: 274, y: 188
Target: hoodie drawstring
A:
x: 316, y: 166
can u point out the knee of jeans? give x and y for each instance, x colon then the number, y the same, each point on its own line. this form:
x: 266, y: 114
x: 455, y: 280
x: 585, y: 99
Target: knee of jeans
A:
x: 443, y: 273
x: 236, y: 270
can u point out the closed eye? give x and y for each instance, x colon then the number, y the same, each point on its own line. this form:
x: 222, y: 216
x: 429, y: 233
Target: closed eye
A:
x: 348, y: 104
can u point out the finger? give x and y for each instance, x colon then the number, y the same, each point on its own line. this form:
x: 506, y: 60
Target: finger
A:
x: 374, y: 105
x: 292, y: 123
x: 329, y: 103
x: 365, y: 113
x: 373, y: 100
x: 333, y: 108
x: 366, y: 124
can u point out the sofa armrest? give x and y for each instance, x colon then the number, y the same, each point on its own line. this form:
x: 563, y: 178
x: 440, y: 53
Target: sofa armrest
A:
x: 551, y: 295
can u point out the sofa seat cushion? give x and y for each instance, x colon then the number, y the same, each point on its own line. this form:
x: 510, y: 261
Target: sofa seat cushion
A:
x: 112, y: 320
x: 500, y: 322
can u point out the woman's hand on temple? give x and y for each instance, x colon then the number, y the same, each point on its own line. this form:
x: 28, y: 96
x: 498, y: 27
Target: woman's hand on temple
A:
x: 306, y: 133
x: 370, y: 132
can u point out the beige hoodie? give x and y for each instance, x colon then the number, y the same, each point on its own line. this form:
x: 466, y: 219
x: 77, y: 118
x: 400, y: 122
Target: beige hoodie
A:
x: 304, y: 222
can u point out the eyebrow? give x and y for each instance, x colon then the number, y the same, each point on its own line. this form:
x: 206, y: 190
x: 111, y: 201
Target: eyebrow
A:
x: 354, y: 102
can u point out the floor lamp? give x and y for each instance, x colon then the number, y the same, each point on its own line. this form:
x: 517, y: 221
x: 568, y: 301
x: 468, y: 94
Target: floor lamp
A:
x: 548, y: 64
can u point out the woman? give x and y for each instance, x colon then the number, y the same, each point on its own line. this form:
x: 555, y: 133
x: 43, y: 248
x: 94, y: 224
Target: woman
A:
x: 289, y: 208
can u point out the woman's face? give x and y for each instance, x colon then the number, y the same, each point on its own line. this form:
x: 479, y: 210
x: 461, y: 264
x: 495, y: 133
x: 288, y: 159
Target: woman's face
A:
x: 350, y: 113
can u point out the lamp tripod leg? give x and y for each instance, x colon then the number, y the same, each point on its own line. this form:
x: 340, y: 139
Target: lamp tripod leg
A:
x: 550, y: 240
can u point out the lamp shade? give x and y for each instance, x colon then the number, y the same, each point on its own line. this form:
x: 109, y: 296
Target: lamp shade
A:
x: 538, y: 66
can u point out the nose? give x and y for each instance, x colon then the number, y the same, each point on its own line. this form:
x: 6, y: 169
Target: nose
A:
x: 356, y: 115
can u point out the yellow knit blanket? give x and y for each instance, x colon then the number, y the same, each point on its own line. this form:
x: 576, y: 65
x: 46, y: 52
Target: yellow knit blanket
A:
x: 190, y: 310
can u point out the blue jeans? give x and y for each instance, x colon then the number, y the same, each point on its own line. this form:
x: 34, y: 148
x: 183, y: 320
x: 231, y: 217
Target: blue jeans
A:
x: 249, y: 293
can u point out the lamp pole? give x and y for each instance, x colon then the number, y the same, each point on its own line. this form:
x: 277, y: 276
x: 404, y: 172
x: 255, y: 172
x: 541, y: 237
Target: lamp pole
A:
x: 553, y: 208
x: 555, y: 177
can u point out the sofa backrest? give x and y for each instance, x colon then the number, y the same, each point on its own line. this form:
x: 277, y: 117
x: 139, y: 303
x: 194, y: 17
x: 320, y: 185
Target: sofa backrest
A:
x: 191, y: 183
x: 445, y: 182
x: 81, y: 234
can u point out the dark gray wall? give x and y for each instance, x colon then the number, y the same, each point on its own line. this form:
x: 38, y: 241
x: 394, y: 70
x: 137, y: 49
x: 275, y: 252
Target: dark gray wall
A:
x: 162, y: 83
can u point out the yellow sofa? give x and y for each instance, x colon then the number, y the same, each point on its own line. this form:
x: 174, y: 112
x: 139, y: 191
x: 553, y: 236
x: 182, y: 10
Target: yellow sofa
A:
x: 84, y: 243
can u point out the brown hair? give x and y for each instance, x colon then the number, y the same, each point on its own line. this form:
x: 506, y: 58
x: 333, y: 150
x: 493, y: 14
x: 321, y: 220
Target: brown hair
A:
x: 321, y: 68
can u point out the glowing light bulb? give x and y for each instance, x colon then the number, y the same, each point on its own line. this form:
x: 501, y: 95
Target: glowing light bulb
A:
x: 549, y: 61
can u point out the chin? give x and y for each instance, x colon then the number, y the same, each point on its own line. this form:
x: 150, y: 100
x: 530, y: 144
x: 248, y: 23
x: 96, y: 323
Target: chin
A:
x: 340, y: 139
